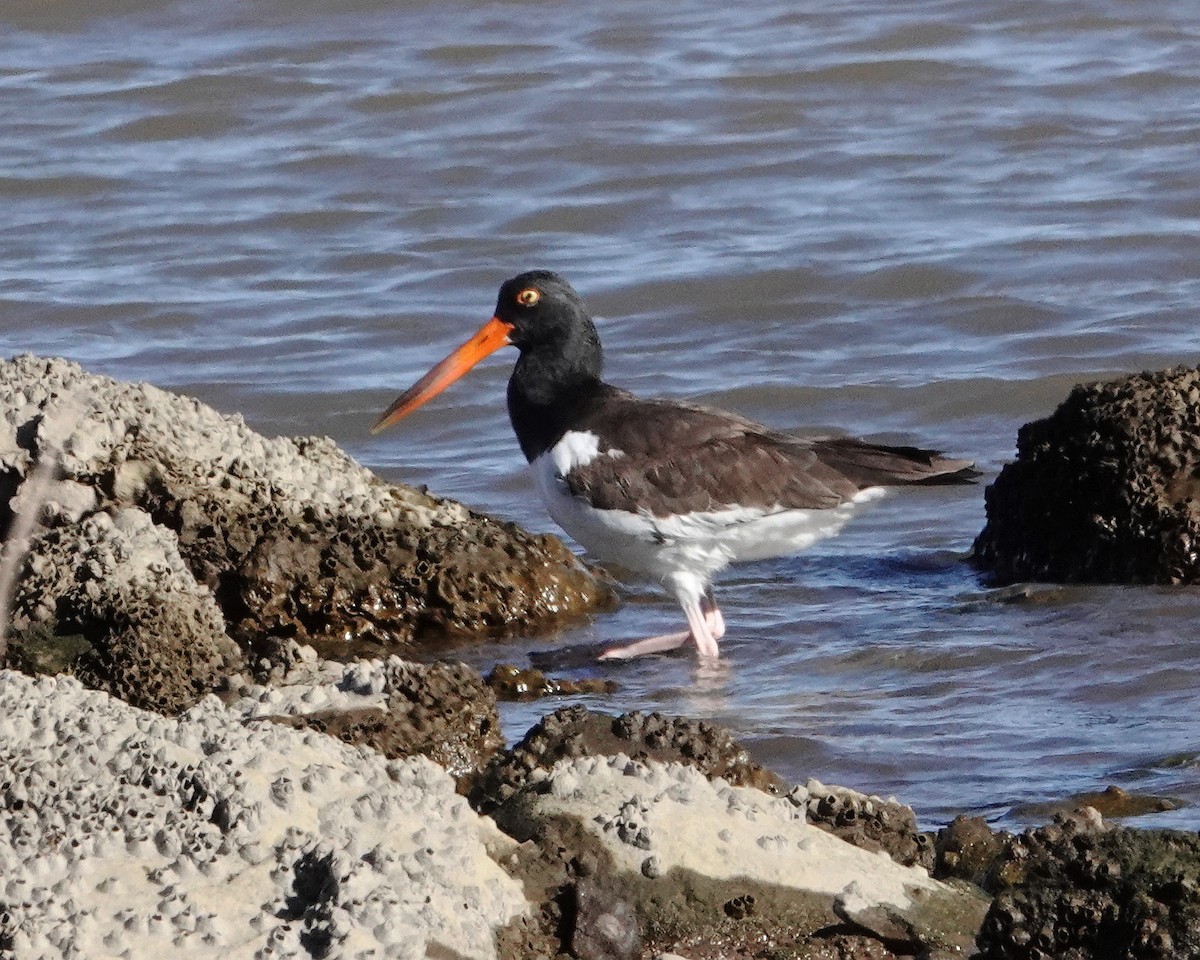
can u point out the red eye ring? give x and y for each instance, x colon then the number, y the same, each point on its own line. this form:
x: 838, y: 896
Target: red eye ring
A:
x: 528, y: 297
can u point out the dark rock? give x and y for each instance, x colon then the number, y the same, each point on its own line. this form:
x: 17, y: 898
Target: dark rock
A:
x: 150, y: 634
x: 967, y: 849
x: 1105, y: 490
x: 516, y: 684
x: 1078, y: 891
x: 442, y: 711
x: 868, y: 822
x: 740, y: 907
x: 579, y: 732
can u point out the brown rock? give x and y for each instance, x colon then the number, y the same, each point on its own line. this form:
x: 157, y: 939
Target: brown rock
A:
x: 578, y: 732
x: 442, y: 711
x: 868, y: 822
x: 512, y: 683
x: 1105, y: 490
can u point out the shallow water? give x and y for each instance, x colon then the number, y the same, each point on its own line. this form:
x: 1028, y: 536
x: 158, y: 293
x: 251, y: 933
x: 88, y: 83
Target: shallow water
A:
x: 918, y: 222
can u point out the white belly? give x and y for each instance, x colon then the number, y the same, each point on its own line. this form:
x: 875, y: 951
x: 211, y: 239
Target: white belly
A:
x: 698, y: 543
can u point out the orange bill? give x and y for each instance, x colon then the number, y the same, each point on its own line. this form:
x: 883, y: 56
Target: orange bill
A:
x: 491, y: 337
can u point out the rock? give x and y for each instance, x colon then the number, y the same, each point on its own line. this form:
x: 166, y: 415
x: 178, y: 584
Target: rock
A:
x: 282, y: 539
x: 735, y: 867
x: 130, y: 834
x: 578, y: 732
x: 866, y: 821
x: 968, y: 849
x: 1079, y: 891
x: 1105, y: 490
x: 1109, y: 803
x: 153, y: 636
x: 442, y: 711
x: 514, y: 684
x: 605, y: 926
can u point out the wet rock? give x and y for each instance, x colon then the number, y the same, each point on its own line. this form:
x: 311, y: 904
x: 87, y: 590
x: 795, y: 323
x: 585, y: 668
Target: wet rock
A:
x: 151, y: 634
x: 737, y: 872
x: 1110, y: 802
x: 516, y: 684
x: 968, y: 849
x: 578, y: 732
x: 869, y: 822
x: 442, y: 711
x: 1105, y: 490
x: 1083, y: 892
x: 292, y: 539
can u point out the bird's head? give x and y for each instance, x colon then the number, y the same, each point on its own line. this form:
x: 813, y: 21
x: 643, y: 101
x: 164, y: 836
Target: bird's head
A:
x: 535, y: 309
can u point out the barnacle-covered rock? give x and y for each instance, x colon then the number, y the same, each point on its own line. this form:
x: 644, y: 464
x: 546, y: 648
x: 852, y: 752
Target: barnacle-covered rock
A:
x: 293, y: 538
x: 1075, y: 890
x: 866, y: 821
x: 131, y: 834
x: 1105, y: 490
x: 578, y: 732
x: 151, y: 635
x: 443, y: 711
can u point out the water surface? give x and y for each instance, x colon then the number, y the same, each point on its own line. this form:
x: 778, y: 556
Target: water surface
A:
x: 918, y: 222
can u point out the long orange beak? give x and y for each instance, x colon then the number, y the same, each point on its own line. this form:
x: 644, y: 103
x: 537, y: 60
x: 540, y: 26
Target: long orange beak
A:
x: 491, y: 337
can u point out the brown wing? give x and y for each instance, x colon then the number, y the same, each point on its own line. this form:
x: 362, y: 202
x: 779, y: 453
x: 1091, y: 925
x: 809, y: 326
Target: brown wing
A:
x: 679, y: 458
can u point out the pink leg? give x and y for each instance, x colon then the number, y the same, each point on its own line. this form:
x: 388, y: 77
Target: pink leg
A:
x: 712, y: 615
x: 705, y: 623
x: 668, y: 641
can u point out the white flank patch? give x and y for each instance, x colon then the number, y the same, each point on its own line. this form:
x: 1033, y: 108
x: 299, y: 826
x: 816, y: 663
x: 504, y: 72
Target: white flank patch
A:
x: 576, y: 449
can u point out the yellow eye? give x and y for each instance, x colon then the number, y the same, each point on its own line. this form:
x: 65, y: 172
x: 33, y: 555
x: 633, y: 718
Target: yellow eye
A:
x: 528, y: 297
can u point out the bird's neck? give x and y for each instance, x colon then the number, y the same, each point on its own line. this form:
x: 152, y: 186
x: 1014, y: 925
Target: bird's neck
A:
x: 550, y: 388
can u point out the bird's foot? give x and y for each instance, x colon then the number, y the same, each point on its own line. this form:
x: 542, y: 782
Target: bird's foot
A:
x: 668, y: 641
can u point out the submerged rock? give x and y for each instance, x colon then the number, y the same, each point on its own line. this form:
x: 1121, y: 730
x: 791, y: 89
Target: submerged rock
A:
x: 1110, y: 803
x: 514, y: 683
x: 1105, y: 490
x: 260, y: 540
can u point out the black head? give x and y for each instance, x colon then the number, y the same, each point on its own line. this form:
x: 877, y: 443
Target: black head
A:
x: 540, y: 315
x: 542, y: 309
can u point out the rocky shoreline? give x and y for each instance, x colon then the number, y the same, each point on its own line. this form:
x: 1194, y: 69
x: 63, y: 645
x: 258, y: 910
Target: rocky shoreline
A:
x: 185, y: 772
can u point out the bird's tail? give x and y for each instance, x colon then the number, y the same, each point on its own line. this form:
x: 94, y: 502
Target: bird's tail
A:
x: 874, y: 464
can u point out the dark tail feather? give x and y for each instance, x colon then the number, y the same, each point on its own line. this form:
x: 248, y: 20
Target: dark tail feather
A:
x: 873, y: 464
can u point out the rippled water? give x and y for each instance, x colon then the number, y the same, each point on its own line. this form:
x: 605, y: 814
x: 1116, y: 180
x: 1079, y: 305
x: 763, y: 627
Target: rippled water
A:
x: 910, y: 221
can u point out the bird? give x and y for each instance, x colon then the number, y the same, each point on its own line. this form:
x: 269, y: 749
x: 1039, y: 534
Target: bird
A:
x: 664, y: 488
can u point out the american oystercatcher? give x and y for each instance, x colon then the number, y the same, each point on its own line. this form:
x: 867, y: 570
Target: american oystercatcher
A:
x: 666, y: 489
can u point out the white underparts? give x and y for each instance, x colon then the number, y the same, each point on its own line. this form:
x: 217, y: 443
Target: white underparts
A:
x: 693, y: 544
